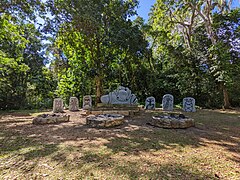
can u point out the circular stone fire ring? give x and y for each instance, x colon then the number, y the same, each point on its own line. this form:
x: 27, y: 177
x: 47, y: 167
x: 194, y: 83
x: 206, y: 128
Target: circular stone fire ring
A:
x: 50, y: 119
x: 105, y: 120
x: 172, y: 121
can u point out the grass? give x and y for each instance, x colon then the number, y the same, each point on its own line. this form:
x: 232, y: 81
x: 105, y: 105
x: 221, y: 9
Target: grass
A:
x: 135, y: 150
x: 24, y: 112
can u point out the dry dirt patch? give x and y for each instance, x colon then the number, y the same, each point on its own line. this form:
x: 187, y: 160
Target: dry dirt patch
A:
x: 134, y: 150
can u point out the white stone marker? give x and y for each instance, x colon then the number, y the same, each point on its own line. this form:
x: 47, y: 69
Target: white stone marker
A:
x: 87, y: 102
x: 73, y: 104
x: 189, y: 104
x: 167, y: 102
x: 57, y: 105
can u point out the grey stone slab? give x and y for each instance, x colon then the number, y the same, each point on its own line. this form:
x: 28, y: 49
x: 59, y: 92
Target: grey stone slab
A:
x: 87, y: 102
x: 73, y: 104
x: 189, y: 104
x: 167, y: 102
x: 122, y: 95
x: 150, y: 103
x: 57, y: 105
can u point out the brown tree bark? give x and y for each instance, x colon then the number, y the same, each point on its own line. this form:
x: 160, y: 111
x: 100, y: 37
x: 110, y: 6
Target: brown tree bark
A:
x: 98, y: 81
x: 225, y: 96
x: 99, y: 77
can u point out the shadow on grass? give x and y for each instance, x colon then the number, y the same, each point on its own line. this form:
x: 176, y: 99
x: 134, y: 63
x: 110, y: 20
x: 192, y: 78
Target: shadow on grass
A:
x: 41, y: 151
x: 164, y: 171
x: 12, y: 121
x: 140, y: 140
x: 91, y: 164
x: 15, y: 143
x: 137, y: 136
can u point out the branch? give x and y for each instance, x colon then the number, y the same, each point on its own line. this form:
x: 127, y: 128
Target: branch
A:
x: 179, y: 22
x: 176, y: 20
x: 198, y: 11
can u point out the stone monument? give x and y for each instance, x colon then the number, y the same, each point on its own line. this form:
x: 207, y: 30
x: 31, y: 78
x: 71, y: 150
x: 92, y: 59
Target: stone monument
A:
x: 87, y: 102
x: 57, y: 105
x: 122, y: 95
x: 167, y: 102
x: 189, y: 104
x: 150, y: 103
x: 73, y: 104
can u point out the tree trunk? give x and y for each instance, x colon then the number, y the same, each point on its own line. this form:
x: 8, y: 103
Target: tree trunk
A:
x: 98, y: 81
x: 98, y: 78
x: 225, y: 96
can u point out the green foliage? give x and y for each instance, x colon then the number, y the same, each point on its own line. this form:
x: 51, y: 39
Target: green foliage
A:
x: 21, y: 65
x: 187, y: 36
x: 12, y: 67
x: 188, y: 48
x: 106, y: 49
x: 22, y: 9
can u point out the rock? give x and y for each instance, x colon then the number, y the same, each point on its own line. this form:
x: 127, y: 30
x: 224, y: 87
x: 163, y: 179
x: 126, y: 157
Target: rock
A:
x: 58, y: 105
x: 105, y: 99
x: 172, y: 122
x: 181, y: 116
x: 122, y: 95
x: 73, y: 104
x: 189, y: 104
x: 50, y: 119
x: 167, y: 102
x: 105, y: 120
x: 150, y: 103
x: 87, y: 102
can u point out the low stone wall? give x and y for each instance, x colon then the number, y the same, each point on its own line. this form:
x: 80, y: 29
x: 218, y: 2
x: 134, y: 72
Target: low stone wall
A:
x: 172, y: 122
x: 50, y: 119
x: 125, y: 110
x: 122, y: 112
x: 105, y: 120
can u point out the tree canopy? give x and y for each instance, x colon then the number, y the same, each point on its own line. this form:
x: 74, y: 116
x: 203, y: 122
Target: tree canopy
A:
x: 187, y: 48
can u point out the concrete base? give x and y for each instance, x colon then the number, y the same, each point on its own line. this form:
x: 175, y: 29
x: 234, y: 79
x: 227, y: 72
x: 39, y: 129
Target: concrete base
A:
x: 123, y: 109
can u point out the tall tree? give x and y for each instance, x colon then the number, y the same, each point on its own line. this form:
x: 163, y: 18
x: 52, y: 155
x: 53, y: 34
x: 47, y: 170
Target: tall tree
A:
x: 93, y: 34
x: 21, y: 53
x: 27, y: 10
x: 12, y: 66
x: 184, y: 17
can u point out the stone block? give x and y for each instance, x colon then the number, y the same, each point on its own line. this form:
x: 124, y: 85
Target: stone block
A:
x: 58, y: 105
x: 167, y: 102
x: 189, y: 104
x: 73, y: 104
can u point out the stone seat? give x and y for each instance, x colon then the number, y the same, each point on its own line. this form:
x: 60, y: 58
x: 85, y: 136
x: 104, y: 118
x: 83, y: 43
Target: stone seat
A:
x: 123, y: 109
x: 113, y: 111
x: 105, y: 120
x: 50, y: 119
x: 172, y: 121
x: 102, y: 105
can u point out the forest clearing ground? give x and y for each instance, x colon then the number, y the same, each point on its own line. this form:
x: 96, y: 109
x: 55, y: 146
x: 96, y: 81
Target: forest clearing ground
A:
x: 135, y: 150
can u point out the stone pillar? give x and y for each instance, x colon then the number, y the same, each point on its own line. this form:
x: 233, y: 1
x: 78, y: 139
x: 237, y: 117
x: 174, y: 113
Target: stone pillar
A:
x: 150, y: 103
x: 167, y: 102
x: 189, y: 104
x: 73, y: 104
x: 57, y: 105
x: 87, y: 102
